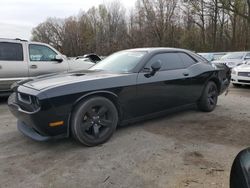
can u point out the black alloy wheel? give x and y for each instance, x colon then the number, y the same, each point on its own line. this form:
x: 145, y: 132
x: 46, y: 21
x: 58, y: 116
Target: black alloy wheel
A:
x: 94, y: 121
x: 209, y: 98
x: 212, y: 95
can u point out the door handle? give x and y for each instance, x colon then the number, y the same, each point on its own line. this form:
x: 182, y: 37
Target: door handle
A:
x: 33, y: 66
x: 185, y: 74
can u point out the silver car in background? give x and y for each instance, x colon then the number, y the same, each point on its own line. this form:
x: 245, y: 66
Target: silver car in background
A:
x: 234, y: 59
x: 20, y: 59
x: 212, y: 56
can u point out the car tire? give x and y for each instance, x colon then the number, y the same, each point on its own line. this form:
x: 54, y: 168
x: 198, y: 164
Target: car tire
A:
x: 237, y: 85
x: 209, y: 98
x: 94, y: 121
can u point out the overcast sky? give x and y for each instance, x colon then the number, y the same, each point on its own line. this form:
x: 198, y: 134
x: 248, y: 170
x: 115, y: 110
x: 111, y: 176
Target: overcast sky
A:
x: 18, y: 17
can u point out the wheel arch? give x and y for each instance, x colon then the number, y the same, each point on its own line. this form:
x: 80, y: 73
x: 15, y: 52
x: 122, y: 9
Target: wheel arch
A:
x: 107, y: 94
x: 211, y: 79
x: 216, y: 81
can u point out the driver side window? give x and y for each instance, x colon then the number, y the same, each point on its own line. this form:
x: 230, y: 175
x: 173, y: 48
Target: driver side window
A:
x: 41, y: 53
x: 169, y: 61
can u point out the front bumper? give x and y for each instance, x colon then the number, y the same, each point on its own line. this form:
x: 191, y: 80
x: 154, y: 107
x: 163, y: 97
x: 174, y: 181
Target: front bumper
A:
x: 240, y: 79
x: 36, y: 124
x: 28, y: 131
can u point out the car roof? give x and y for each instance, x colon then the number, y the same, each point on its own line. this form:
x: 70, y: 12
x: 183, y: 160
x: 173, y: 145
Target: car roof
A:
x: 12, y: 40
x: 21, y: 40
x: 157, y: 49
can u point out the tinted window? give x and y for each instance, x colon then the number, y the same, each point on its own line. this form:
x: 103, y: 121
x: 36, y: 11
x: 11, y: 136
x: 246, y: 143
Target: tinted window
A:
x: 187, y: 60
x: 41, y: 53
x: 169, y: 61
x: 11, y: 51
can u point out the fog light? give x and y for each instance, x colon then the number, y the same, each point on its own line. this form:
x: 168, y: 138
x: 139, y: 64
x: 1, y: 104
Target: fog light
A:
x: 56, y: 124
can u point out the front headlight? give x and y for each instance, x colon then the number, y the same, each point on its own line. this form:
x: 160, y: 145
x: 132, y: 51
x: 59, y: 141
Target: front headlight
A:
x: 234, y: 71
x: 28, y: 102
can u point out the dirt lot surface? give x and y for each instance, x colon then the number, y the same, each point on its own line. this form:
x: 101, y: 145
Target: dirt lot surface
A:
x: 185, y: 149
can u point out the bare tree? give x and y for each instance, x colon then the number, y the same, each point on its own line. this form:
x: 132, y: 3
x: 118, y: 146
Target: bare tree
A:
x: 200, y: 25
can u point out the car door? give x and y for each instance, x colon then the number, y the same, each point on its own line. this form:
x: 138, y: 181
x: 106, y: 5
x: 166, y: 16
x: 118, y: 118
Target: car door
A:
x: 42, y: 60
x: 194, y: 80
x: 13, y: 66
x: 168, y: 88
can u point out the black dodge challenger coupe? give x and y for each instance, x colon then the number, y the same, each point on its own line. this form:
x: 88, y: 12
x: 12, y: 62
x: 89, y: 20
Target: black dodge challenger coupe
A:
x: 125, y: 87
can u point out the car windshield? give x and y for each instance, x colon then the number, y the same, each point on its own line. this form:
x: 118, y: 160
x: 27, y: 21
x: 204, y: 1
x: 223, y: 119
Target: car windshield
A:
x: 235, y: 55
x: 124, y: 61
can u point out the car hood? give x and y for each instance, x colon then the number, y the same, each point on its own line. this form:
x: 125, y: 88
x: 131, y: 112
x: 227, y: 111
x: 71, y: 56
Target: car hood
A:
x: 53, y: 80
x: 243, y: 68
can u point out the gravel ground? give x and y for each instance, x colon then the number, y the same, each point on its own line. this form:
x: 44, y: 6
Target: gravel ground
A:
x: 185, y: 149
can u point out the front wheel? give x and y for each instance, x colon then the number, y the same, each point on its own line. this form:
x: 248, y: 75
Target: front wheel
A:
x: 208, y: 100
x: 94, y: 121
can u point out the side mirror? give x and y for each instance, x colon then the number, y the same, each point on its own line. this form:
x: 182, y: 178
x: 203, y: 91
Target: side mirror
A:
x: 58, y: 58
x: 240, y: 171
x: 156, y: 66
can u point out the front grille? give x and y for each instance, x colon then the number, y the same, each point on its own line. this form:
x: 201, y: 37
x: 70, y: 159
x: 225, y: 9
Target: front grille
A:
x: 244, y: 81
x: 245, y: 74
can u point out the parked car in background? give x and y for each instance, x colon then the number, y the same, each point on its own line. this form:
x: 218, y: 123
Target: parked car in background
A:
x: 233, y: 59
x: 241, y: 75
x: 20, y: 59
x: 123, y: 88
x: 207, y: 56
x: 213, y: 55
x: 89, y: 58
x: 219, y: 55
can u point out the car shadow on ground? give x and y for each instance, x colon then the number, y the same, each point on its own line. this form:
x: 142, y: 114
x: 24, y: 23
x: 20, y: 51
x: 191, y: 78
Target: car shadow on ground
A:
x: 3, y: 100
x: 163, y: 117
x: 199, y: 127
x: 242, y: 87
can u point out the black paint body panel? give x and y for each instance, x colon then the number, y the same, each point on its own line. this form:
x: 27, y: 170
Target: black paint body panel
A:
x: 135, y: 94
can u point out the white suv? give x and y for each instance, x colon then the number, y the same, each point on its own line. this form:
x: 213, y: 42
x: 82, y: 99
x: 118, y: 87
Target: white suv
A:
x: 20, y: 59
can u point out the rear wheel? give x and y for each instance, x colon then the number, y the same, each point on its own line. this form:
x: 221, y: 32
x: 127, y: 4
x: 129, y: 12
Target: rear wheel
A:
x: 208, y: 100
x: 94, y: 121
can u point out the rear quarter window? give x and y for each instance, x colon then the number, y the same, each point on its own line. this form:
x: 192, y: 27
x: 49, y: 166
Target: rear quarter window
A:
x: 11, y: 51
x: 187, y: 59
